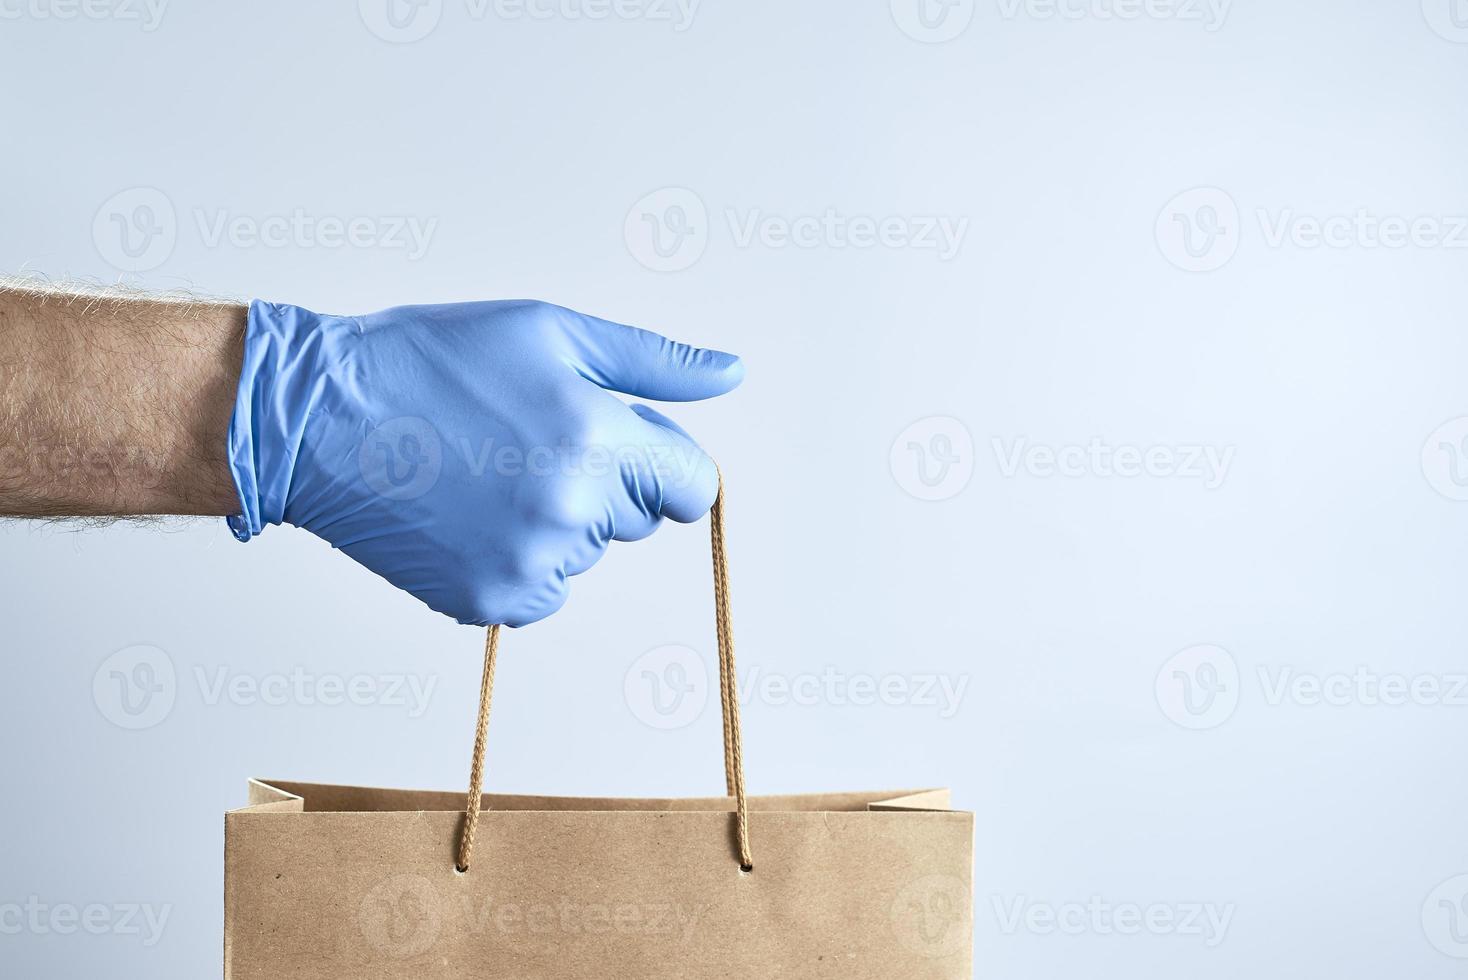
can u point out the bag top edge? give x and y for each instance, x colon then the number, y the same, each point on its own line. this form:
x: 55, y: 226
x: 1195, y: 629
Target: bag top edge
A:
x: 268, y: 795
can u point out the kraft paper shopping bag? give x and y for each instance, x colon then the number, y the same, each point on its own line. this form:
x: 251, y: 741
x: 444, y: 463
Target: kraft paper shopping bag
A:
x: 373, y: 884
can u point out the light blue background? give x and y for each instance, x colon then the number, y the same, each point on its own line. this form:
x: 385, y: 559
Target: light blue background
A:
x: 1064, y: 317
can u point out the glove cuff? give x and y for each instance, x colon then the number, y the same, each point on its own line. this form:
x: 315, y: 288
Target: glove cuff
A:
x: 277, y: 389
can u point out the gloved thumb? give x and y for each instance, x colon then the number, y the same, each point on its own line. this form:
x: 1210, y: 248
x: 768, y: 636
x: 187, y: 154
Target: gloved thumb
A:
x: 687, y: 478
x: 644, y: 364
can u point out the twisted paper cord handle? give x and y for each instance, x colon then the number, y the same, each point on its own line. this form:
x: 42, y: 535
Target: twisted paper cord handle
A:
x: 729, y: 703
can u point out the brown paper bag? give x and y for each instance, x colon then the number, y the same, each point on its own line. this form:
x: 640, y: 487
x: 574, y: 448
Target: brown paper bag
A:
x: 375, y: 884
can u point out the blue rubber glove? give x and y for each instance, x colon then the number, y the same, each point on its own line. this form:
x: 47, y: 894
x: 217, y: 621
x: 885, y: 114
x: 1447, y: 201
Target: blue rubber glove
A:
x: 471, y: 453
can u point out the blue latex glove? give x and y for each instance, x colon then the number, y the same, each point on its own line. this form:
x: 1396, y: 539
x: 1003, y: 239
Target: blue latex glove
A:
x: 468, y: 453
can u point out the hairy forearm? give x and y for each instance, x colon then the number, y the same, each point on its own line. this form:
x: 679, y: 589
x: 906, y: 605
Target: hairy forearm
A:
x: 114, y: 404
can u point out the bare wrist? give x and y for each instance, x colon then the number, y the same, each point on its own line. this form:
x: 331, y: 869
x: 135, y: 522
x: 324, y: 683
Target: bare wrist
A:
x: 115, y: 405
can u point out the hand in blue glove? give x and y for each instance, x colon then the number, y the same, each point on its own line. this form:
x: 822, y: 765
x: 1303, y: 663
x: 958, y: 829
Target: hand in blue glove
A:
x: 468, y: 453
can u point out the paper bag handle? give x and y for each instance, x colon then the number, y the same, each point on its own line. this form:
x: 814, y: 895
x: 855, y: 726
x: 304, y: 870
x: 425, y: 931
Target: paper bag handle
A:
x: 728, y: 690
